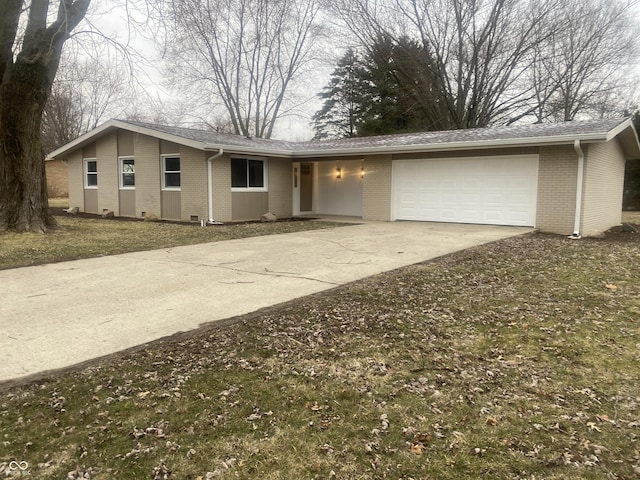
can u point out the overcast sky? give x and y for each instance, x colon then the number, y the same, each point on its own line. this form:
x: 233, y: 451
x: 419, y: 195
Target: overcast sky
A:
x: 111, y: 19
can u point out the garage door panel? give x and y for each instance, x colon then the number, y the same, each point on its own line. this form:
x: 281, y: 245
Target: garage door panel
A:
x: 487, y: 190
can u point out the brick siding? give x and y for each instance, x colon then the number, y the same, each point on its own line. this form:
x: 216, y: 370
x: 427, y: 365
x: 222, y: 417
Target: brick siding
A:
x: 376, y: 188
x: 557, y: 176
x: 57, y: 178
x: 603, y: 187
x: 193, y: 179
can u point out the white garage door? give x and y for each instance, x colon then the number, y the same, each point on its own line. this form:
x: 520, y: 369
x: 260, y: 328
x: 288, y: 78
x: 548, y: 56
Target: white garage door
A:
x: 487, y: 190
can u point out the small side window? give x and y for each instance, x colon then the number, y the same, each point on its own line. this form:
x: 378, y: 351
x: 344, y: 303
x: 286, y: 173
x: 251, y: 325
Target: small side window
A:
x: 171, y: 172
x: 127, y: 173
x: 90, y: 173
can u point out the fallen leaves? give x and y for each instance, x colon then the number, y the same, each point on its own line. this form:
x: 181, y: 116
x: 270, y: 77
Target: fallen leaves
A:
x: 492, y: 421
x: 510, y: 358
x: 416, y: 448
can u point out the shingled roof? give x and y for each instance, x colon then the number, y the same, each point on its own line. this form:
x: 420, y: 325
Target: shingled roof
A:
x: 512, y: 136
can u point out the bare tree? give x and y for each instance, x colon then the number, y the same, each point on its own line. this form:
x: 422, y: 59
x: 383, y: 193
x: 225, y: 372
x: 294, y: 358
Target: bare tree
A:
x: 32, y: 35
x: 61, y: 118
x: 478, y: 48
x: 86, y: 91
x: 497, y: 61
x: 242, y: 54
x: 583, y: 66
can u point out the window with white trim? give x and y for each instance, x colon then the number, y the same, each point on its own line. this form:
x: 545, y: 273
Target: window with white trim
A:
x: 90, y: 173
x: 127, y: 173
x: 247, y: 173
x: 171, y: 172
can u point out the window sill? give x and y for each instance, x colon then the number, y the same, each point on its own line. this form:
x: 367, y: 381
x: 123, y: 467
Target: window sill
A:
x: 249, y: 189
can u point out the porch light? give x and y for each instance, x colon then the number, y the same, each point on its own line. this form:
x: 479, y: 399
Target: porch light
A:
x: 338, y: 173
x: 361, y: 172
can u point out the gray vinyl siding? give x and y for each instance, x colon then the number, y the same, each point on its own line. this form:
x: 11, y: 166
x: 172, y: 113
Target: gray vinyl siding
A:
x: 125, y: 143
x: 171, y: 209
x: 249, y: 205
x: 128, y: 203
x: 91, y: 200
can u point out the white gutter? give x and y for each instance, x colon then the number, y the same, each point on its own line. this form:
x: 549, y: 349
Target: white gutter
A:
x: 579, y: 185
x: 210, y: 183
x: 448, y: 146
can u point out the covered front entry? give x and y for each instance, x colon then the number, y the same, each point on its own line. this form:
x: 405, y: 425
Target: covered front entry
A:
x: 328, y: 187
x: 498, y: 190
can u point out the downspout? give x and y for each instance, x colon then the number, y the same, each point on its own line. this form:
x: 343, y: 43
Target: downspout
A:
x: 579, y: 185
x: 210, y: 183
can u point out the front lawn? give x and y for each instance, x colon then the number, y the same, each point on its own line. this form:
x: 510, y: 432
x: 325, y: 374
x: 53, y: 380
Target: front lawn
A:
x: 83, y: 237
x: 515, y: 360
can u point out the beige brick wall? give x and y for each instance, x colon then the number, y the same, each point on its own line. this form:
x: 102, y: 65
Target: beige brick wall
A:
x: 221, y: 172
x: 603, y: 187
x: 147, y: 157
x: 280, y: 187
x: 557, y: 176
x: 57, y: 178
x: 376, y: 188
x: 76, y: 180
x: 193, y: 179
x: 107, y: 155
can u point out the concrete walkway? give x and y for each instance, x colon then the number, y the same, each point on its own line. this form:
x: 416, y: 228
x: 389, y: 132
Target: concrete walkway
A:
x: 58, y: 315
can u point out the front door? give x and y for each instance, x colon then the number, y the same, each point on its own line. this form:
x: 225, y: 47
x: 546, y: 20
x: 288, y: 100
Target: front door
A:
x: 306, y: 187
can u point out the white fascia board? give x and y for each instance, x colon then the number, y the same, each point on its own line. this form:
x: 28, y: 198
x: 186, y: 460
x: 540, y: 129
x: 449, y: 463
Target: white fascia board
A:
x: 438, y: 147
x: 628, y: 137
x: 628, y: 123
x: 113, y: 124
x: 238, y: 150
x: 82, y: 139
x: 160, y: 135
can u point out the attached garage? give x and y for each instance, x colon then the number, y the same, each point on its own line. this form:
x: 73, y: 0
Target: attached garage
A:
x: 496, y: 190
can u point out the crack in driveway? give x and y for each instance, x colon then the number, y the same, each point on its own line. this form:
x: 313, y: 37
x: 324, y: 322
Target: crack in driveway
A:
x: 266, y: 273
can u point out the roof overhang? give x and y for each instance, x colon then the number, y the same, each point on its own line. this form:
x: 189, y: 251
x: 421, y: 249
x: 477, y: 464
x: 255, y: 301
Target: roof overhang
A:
x: 113, y: 125
x: 628, y: 138
x: 625, y: 133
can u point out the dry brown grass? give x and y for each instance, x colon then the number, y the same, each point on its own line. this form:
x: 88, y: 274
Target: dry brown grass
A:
x: 514, y: 360
x: 92, y: 237
x: 631, y: 217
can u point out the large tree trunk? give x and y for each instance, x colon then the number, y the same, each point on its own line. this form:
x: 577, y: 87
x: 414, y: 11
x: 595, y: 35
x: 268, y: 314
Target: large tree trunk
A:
x: 25, y: 84
x: 23, y: 187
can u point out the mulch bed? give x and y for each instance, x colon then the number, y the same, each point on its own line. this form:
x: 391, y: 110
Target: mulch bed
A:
x: 618, y: 234
x: 60, y: 212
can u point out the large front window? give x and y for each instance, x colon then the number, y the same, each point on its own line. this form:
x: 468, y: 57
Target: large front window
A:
x: 171, y: 172
x: 247, y: 173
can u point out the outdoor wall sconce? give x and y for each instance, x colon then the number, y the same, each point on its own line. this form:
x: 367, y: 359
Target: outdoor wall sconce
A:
x: 338, y: 173
x: 361, y: 172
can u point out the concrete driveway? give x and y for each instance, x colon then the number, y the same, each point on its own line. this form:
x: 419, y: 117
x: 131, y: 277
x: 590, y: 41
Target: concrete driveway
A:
x: 58, y: 315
